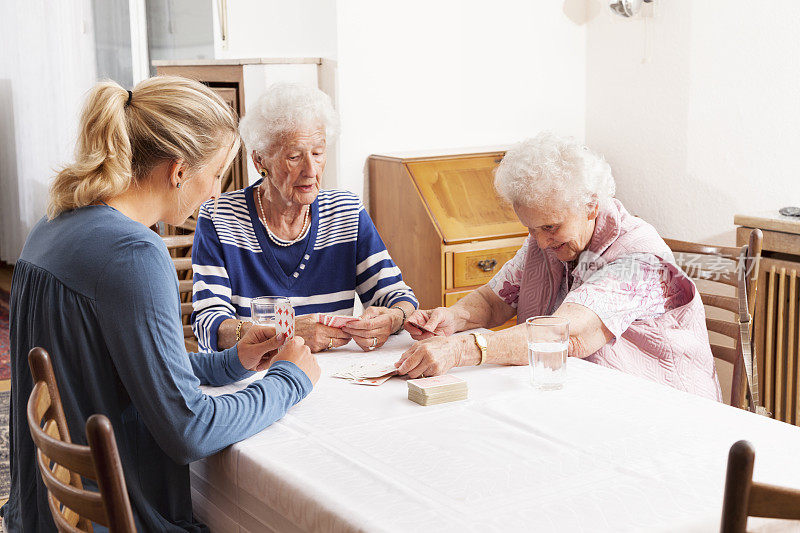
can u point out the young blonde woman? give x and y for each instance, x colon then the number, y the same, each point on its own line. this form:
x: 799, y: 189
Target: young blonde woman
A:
x: 96, y: 288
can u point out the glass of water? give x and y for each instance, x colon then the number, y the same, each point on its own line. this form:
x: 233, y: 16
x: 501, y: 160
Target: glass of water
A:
x: 548, y: 343
x: 275, y: 311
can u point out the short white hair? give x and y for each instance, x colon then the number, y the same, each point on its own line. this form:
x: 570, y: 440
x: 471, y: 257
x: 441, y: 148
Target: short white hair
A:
x: 549, y: 168
x: 283, y: 109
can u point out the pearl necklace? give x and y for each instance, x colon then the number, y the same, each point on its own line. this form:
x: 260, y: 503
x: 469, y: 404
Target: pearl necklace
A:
x: 272, y: 237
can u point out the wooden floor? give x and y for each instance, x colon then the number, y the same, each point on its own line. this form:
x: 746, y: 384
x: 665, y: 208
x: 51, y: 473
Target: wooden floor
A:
x: 5, y: 276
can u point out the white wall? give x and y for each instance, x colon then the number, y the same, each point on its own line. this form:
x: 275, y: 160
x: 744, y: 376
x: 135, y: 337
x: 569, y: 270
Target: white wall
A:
x: 427, y: 75
x: 710, y: 126
x: 421, y: 74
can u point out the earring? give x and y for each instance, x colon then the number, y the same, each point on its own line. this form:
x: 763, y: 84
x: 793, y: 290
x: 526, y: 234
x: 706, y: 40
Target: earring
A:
x: 263, y: 172
x: 178, y: 185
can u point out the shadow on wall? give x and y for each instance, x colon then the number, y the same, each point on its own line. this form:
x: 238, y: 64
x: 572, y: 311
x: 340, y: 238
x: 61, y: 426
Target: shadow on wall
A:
x: 10, y: 216
x: 637, y: 117
x: 581, y: 11
x: 365, y: 190
x: 706, y: 198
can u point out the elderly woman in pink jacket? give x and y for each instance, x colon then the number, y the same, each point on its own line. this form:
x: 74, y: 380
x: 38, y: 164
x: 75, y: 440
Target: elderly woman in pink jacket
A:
x: 587, y: 259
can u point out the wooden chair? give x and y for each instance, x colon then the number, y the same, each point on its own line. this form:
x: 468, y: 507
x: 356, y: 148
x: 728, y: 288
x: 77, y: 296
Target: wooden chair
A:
x: 61, y: 463
x: 746, y: 257
x: 744, y: 498
x: 180, y: 247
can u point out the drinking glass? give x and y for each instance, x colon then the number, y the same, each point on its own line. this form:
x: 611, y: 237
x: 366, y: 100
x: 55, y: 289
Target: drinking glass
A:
x: 273, y: 311
x: 548, y: 343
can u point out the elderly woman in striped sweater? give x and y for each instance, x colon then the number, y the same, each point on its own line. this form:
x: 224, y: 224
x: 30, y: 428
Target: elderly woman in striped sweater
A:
x: 283, y: 236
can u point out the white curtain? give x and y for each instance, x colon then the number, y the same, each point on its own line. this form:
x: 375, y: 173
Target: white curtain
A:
x: 47, y: 63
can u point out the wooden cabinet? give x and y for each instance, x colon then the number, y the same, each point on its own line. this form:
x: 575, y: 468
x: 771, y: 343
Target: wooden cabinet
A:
x: 227, y: 82
x: 777, y: 314
x: 442, y: 221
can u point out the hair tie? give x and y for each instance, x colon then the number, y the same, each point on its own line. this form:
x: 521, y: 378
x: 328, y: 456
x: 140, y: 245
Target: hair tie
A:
x: 130, y: 95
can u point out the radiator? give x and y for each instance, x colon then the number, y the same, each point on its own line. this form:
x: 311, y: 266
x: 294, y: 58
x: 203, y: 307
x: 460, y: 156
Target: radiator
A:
x: 778, y: 304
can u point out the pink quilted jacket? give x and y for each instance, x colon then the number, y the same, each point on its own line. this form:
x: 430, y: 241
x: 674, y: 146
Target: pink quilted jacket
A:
x: 672, y: 348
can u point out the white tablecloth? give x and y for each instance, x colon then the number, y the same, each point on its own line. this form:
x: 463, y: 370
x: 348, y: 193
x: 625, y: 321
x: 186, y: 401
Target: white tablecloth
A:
x: 609, y: 452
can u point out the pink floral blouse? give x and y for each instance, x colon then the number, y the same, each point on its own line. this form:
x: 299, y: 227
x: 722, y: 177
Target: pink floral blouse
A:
x: 633, y: 287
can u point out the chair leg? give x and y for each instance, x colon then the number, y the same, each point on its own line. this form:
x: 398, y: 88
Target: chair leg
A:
x: 738, y: 480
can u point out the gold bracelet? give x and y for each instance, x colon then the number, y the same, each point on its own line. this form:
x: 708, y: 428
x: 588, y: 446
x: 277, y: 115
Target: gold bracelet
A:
x: 239, y: 331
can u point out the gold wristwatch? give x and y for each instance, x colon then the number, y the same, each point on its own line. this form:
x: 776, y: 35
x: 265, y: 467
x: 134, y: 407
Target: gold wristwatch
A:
x: 480, y: 342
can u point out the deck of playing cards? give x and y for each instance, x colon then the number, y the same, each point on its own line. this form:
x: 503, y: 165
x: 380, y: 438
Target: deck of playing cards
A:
x: 438, y: 389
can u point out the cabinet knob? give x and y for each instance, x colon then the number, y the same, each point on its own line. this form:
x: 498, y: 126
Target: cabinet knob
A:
x: 487, y: 265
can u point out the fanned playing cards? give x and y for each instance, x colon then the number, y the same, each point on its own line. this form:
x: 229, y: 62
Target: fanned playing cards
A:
x: 335, y: 321
x: 367, y: 373
x: 424, y: 328
x: 437, y: 389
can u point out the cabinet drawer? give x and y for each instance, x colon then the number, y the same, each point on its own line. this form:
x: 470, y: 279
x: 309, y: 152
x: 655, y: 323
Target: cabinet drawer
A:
x: 450, y: 298
x: 478, y: 267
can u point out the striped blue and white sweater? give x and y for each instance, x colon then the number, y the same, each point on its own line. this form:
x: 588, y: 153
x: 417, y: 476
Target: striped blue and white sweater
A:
x: 233, y: 262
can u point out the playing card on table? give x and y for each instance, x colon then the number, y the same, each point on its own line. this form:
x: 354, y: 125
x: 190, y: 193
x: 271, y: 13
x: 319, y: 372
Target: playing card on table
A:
x: 437, y: 383
x: 335, y: 321
x: 367, y: 373
x: 373, y: 381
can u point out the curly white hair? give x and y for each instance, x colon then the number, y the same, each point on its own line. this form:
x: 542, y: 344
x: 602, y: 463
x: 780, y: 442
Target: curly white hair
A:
x: 549, y: 169
x: 283, y: 109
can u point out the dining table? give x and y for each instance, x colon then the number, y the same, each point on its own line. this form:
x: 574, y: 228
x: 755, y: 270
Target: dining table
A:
x: 607, y: 452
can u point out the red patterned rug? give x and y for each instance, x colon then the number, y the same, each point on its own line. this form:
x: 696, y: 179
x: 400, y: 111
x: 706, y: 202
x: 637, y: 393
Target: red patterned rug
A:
x: 5, y: 344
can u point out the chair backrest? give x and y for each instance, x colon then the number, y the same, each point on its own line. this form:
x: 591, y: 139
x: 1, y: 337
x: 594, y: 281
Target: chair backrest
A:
x: 744, y: 498
x: 62, y: 463
x: 180, y: 248
x: 719, y: 265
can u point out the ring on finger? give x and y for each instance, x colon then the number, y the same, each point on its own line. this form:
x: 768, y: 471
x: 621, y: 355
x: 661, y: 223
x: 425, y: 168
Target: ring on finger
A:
x: 330, y: 344
x: 374, y: 342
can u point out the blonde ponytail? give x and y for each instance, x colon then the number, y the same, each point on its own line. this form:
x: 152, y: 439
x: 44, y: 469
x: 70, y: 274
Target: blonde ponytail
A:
x: 102, y: 166
x: 120, y: 139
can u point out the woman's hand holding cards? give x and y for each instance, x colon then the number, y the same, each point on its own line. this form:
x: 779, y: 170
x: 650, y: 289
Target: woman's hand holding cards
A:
x: 259, y: 349
x: 295, y: 351
x: 374, y: 326
x: 426, y: 323
x: 258, y: 346
x: 318, y: 336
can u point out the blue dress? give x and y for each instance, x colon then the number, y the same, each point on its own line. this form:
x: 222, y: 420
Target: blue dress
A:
x: 99, y: 292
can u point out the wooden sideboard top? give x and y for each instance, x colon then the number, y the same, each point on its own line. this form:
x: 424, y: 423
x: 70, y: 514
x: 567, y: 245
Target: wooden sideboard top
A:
x: 246, y: 61
x: 769, y: 220
x: 430, y: 155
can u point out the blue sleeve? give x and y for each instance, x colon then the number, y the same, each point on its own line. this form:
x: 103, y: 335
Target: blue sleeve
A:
x: 211, y: 286
x: 218, y: 368
x: 378, y: 280
x: 139, y: 311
